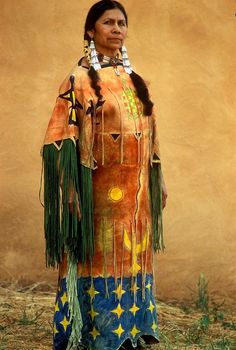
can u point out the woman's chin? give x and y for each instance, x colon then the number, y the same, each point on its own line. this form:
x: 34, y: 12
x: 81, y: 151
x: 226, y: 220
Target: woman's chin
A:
x: 115, y: 45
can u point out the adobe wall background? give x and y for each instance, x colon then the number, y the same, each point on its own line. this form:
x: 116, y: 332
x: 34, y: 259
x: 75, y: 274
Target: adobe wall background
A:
x: 186, y: 49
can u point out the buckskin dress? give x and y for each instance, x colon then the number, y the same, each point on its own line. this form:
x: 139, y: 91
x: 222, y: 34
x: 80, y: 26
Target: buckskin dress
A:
x: 118, y: 145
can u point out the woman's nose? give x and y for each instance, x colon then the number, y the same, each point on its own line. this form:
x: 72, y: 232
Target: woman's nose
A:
x: 116, y: 28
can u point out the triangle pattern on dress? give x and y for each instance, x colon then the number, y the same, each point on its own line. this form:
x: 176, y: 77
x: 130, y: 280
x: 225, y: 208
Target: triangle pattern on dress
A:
x: 155, y: 157
x: 115, y: 136
x: 138, y: 135
x: 58, y: 144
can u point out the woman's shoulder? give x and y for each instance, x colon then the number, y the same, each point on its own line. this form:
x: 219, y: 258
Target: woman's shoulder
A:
x: 80, y: 69
x: 83, y: 63
x: 77, y: 77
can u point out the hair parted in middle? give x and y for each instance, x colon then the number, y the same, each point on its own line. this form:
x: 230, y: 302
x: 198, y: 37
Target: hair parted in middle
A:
x: 95, y: 12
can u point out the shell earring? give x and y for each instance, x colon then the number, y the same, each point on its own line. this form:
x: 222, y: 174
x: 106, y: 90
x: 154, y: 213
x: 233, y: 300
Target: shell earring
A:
x: 125, y: 59
x: 94, y: 62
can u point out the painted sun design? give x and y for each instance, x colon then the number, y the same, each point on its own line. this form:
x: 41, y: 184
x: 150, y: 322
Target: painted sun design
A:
x: 115, y: 194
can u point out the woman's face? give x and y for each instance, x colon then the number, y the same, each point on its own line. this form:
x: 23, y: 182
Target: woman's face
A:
x: 109, y: 32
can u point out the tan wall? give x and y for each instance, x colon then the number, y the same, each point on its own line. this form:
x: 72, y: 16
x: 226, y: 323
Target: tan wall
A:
x: 186, y: 49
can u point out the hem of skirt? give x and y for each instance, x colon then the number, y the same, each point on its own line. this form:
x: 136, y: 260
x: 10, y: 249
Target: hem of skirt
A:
x: 134, y: 342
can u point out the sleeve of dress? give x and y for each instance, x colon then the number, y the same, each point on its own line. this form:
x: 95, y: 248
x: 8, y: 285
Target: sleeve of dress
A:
x: 156, y: 187
x: 67, y: 190
x: 61, y: 178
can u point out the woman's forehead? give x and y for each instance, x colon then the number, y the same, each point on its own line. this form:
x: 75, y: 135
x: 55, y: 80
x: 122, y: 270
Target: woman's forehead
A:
x: 112, y: 14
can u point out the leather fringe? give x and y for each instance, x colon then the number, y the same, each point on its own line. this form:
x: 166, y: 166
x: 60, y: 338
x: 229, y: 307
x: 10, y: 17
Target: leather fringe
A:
x: 67, y: 187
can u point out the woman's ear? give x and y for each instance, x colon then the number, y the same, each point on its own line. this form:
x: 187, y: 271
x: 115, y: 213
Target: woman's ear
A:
x: 90, y: 33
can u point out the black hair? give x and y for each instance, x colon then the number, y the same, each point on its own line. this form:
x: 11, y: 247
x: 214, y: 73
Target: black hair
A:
x: 95, y: 12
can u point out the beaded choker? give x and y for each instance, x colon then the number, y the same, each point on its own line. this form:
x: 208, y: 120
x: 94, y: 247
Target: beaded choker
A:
x: 112, y: 61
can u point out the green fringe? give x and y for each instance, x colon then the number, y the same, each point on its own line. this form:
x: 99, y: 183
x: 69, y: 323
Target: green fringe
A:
x: 64, y: 175
x: 156, y: 207
x: 68, y: 173
x: 52, y: 206
x: 74, y: 307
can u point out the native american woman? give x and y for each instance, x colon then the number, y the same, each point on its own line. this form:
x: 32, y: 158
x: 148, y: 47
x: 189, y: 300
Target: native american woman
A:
x: 103, y: 202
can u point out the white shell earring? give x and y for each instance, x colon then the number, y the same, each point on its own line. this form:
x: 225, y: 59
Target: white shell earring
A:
x: 125, y: 59
x: 94, y: 62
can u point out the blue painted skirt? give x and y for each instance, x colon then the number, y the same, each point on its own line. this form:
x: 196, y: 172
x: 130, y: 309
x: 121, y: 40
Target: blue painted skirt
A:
x: 112, y: 311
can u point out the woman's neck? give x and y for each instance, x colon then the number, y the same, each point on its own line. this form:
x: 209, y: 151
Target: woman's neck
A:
x: 108, y: 53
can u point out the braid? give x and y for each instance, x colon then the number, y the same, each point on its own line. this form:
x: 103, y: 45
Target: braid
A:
x: 142, y: 93
x: 93, y: 75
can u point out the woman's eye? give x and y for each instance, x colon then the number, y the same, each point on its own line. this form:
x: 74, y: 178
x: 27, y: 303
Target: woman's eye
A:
x: 109, y: 22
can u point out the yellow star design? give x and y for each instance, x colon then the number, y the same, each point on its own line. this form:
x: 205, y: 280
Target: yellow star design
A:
x: 134, y: 288
x: 65, y: 323
x: 119, y: 311
x: 64, y: 299
x: 119, y: 331
x: 92, y: 313
x: 55, y: 331
x: 94, y: 333
x: 136, y: 249
x: 92, y: 292
x: 134, y: 309
x: 134, y: 331
x: 57, y: 307
x: 119, y: 291
x: 151, y: 307
x: 148, y: 286
x: 154, y: 326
